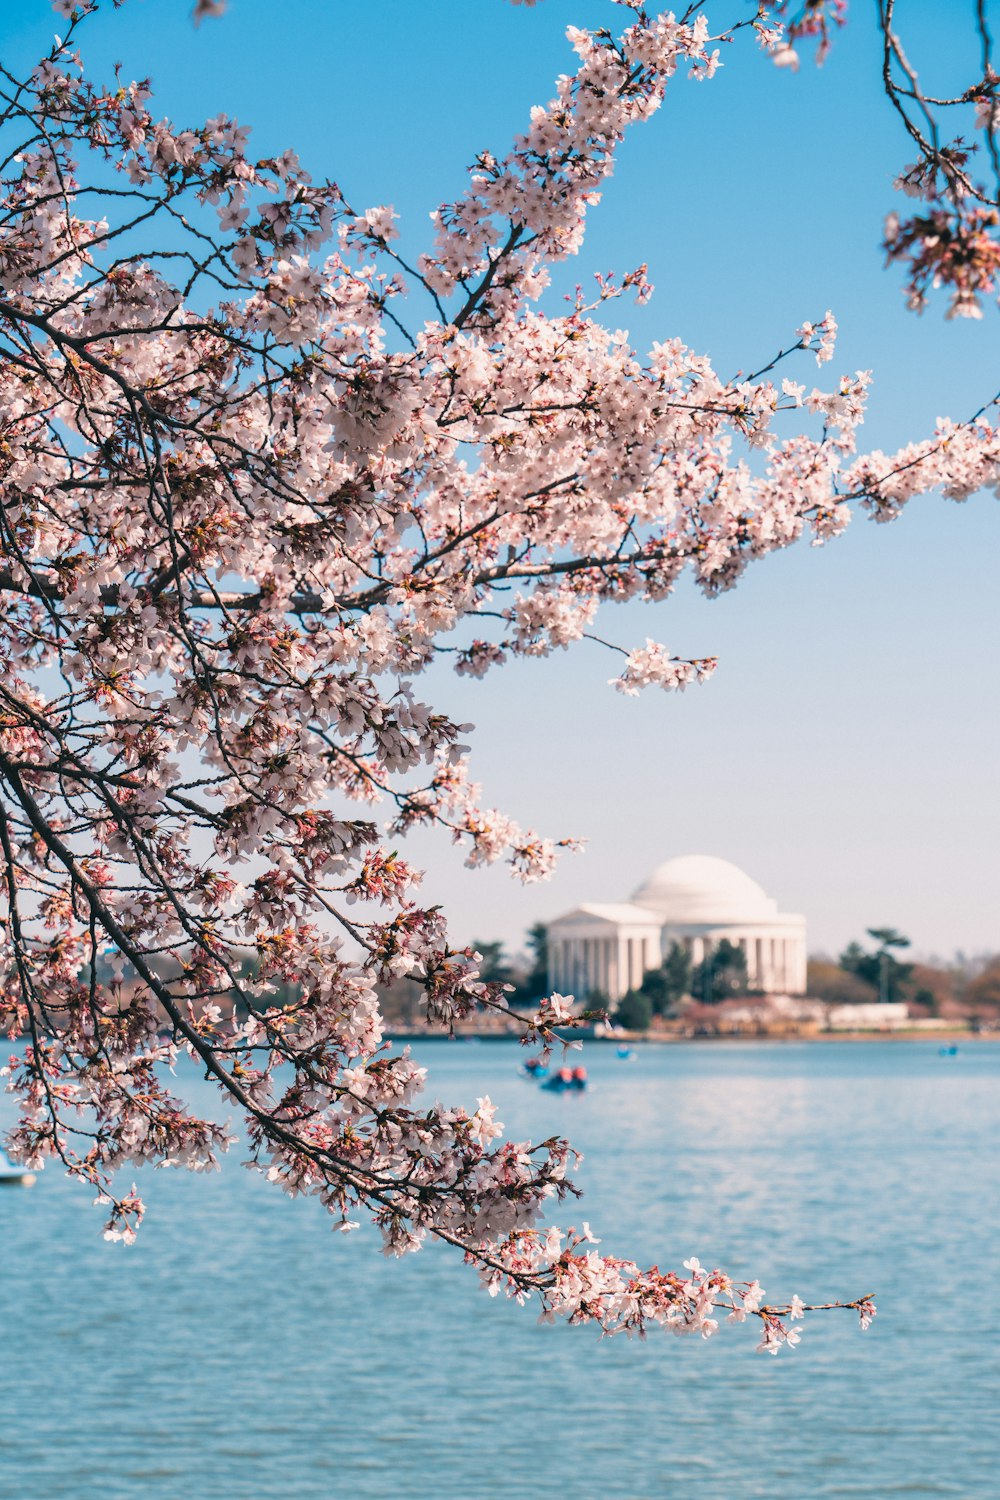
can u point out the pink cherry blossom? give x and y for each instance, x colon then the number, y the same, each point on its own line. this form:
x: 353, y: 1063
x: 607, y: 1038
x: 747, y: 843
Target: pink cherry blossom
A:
x: 249, y: 504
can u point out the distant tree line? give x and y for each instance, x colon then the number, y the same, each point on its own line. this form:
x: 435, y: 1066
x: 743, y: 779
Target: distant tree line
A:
x: 863, y: 974
x: 965, y: 988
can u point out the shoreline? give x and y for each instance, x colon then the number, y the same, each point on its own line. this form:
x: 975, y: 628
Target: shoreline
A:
x: 950, y: 1036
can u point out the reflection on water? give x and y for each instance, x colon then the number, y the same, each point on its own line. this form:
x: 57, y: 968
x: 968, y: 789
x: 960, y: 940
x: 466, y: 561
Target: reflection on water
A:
x: 242, y: 1351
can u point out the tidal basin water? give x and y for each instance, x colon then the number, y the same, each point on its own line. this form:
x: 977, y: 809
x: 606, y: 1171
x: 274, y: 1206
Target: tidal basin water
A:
x: 240, y: 1351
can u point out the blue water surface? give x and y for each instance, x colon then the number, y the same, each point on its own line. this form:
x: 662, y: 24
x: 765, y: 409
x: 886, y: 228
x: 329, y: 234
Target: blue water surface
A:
x: 240, y: 1351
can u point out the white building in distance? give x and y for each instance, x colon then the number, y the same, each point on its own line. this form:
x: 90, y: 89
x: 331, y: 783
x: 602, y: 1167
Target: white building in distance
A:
x: 694, y: 900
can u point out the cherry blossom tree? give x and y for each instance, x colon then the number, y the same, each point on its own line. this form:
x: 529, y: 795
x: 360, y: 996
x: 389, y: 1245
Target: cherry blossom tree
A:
x: 953, y: 241
x: 259, y: 470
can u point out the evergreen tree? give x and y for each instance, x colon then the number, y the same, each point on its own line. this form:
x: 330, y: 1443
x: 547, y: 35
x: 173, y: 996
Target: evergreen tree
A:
x: 881, y: 969
x: 635, y: 1011
x: 721, y: 974
x: 536, y: 983
x: 666, y: 986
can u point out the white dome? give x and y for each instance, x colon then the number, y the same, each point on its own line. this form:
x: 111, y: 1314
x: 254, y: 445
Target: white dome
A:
x: 698, y: 888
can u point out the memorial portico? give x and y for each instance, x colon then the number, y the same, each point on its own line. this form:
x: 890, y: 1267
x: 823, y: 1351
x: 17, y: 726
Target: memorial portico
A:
x: 696, y: 901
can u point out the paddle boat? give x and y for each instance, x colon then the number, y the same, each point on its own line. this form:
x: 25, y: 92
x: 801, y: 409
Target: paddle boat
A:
x: 627, y: 1054
x: 566, y: 1079
x: 14, y: 1175
x: 534, y: 1067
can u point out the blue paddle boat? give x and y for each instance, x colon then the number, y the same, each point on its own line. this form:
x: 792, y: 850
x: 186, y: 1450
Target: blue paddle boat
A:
x: 567, y: 1079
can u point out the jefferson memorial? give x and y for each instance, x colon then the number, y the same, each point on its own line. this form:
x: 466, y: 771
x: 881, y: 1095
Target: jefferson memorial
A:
x: 694, y: 900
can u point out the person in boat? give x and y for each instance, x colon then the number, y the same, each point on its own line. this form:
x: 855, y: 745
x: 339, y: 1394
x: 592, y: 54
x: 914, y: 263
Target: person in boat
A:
x: 563, y: 1079
x: 567, y: 1078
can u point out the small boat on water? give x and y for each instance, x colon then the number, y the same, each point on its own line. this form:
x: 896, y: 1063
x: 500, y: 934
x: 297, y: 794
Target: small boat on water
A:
x: 535, y: 1068
x: 567, y: 1079
x: 627, y: 1054
x: 12, y: 1175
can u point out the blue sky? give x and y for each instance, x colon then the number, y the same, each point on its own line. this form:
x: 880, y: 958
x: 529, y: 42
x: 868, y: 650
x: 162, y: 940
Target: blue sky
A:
x: 845, y: 752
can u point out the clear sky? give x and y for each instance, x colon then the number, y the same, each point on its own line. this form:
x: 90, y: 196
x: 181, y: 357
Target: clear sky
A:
x: 845, y: 753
